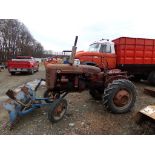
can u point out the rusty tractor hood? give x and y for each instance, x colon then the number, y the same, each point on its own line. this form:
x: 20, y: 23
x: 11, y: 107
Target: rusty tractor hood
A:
x: 74, y: 69
x: 53, y: 69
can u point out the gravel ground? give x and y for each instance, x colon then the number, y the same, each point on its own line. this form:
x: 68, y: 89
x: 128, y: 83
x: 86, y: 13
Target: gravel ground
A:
x: 84, y: 115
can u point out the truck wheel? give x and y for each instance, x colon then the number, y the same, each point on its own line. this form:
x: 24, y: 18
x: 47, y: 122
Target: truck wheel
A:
x: 13, y: 73
x: 96, y: 94
x: 120, y: 96
x: 57, y: 110
x: 151, y: 78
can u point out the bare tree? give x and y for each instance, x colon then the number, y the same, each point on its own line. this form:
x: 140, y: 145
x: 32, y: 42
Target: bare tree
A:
x: 15, y: 39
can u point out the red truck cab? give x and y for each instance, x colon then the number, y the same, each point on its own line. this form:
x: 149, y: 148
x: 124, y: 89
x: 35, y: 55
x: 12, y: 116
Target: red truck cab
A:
x: 23, y: 64
x: 100, y: 53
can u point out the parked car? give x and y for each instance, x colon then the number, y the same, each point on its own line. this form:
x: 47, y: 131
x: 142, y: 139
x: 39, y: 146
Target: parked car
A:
x: 23, y: 64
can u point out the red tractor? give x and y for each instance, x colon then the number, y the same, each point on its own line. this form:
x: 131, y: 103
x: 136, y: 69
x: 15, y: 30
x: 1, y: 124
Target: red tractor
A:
x: 117, y: 93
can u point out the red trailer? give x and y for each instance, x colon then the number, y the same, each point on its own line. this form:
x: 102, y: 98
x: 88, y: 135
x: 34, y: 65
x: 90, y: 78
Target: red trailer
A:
x: 137, y: 56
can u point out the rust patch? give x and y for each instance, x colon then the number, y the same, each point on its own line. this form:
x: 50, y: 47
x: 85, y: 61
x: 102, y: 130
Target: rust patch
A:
x: 121, y: 98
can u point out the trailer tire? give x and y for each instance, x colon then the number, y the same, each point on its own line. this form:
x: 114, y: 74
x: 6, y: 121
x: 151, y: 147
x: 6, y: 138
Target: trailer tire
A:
x: 57, y: 110
x: 151, y: 78
x: 120, y: 96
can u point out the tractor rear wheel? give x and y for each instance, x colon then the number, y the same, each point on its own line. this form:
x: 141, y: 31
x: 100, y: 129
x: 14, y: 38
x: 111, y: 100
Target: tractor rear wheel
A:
x: 120, y: 96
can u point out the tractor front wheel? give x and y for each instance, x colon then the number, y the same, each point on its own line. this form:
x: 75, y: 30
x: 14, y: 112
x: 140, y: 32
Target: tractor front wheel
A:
x: 120, y: 96
x: 57, y: 110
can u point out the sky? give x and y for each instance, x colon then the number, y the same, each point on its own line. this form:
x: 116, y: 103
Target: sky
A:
x: 55, y: 23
